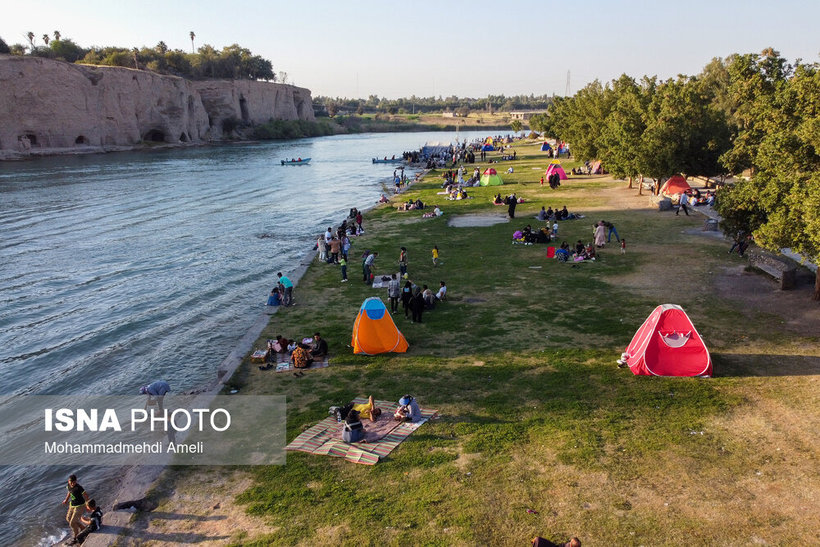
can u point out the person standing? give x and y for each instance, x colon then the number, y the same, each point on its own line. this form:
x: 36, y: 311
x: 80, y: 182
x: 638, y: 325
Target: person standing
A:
x: 321, y: 246
x: 368, y: 267
x: 403, y: 262
x: 600, y: 239
x: 359, y: 220
x: 611, y: 230
x: 417, y: 305
x: 75, y: 498
x: 393, y: 291
x: 345, y: 245
x: 288, y: 286
x: 335, y: 248
x: 406, y: 298
x: 512, y: 201
x: 343, y: 264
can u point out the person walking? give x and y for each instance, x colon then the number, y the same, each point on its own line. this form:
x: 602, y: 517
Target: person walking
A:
x: 288, y: 286
x: 403, y: 262
x: 76, y: 499
x: 393, y: 292
x: 682, y: 205
x: 435, y: 255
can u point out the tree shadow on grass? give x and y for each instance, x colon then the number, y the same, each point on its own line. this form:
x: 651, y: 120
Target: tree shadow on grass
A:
x: 746, y: 365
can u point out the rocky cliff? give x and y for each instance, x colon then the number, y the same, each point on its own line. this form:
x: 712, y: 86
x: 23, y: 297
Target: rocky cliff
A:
x: 50, y: 106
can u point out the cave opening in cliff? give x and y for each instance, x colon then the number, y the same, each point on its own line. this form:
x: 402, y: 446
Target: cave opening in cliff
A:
x: 243, y: 107
x: 183, y: 137
x: 32, y: 138
x: 81, y: 140
x: 155, y: 135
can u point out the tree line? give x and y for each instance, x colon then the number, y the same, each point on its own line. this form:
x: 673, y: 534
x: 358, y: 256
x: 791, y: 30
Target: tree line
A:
x: 751, y: 114
x: 461, y: 106
x: 233, y: 62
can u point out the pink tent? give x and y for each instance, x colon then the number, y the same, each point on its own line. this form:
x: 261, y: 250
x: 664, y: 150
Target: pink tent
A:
x: 555, y: 168
x: 667, y: 344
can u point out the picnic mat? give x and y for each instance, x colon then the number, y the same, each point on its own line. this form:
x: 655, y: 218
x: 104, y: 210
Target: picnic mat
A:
x: 325, y: 438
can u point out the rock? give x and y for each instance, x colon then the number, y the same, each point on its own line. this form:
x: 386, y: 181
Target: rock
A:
x: 49, y: 107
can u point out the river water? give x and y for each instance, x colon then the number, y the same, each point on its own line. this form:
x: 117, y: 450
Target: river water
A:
x: 123, y: 268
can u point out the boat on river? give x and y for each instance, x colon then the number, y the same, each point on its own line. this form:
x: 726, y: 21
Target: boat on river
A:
x: 394, y: 159
x: 300, y: 161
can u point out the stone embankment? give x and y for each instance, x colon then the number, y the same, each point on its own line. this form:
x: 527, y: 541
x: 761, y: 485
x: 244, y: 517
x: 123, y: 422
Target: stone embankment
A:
x: 52, y: 107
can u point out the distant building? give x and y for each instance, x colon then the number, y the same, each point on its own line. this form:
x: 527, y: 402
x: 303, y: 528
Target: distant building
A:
x: 525, y: 115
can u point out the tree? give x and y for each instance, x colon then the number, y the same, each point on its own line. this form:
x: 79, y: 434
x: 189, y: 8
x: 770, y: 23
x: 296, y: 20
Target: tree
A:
x: 684, y: 133
x: 57, y: 35
x: 516, y: 125
x: 780, y: 204
x: 620, y: 140
x: 4, y: 47
x: 192, y: 35
x: 66, y: 50
x: 45, y: 38
x: 30, y: 36
x: 161, y: 47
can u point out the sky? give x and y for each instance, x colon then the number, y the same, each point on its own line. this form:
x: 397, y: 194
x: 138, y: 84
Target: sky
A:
x: 441, y: 48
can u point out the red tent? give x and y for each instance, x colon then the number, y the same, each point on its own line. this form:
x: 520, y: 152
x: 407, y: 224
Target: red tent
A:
x: 675, y: 185
x: 667, y: 344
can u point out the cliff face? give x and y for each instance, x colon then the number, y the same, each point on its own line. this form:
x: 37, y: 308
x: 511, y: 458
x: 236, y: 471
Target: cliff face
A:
x: 52, y: 107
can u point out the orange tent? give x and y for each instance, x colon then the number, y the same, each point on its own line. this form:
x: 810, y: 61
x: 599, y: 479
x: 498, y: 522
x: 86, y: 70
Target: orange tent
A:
x: 374, y: 330
x: 675, y: 185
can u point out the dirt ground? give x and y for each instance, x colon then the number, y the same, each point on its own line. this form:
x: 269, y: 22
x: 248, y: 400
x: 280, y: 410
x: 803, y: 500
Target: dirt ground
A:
x: 202, y: 510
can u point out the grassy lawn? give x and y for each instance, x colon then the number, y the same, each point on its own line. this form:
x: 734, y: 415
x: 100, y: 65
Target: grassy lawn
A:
x: 520, y: 362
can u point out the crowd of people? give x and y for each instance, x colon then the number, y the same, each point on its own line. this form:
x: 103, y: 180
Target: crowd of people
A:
x: 301, y: 353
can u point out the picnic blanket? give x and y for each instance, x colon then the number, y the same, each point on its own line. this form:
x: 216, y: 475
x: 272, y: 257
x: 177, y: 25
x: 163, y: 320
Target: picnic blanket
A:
x: 325, y: 438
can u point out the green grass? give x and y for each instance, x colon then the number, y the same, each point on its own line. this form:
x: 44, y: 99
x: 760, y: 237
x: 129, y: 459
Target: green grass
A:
x: 534, y: 414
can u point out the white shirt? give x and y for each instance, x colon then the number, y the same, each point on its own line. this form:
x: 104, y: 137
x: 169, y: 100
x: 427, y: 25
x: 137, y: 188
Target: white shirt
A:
x: 441, y: 292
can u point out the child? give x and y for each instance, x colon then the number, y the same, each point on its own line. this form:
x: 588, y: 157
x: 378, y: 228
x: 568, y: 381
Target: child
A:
x: 435, y: 255
x: 343, y: 264
x: 623, y: 246
x: 555, y: 229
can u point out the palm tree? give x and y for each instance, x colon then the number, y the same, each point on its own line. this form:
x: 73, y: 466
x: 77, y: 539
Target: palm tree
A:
x: 45, y: 38
x: 57, y: 35
x: 136, y: 63
x: 161, y: 47
x: 30, y: 37
x: 193, y: 35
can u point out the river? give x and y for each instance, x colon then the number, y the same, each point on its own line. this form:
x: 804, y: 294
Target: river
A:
x: 123, y: 268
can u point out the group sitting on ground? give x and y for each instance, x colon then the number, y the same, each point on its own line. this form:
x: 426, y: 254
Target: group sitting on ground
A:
x: 411, y: 205
x: 353, y: 415
x: 528, y: 236
x: 299, y: 353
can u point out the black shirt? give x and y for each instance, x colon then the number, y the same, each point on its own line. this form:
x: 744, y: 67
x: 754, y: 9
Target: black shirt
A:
x: 76, y: 495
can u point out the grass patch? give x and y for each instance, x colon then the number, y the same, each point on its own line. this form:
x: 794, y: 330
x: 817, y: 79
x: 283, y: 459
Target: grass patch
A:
x: 534, y: 414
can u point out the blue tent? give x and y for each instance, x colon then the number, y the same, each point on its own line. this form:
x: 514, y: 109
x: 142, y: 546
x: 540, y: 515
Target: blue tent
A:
x: 488, y: 148
x: 546, y: 147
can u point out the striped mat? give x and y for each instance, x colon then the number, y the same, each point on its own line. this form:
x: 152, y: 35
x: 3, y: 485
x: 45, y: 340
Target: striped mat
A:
x: 325, y: 438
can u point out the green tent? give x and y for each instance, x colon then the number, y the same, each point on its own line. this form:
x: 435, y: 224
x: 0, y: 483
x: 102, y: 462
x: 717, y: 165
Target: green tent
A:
x: 490, y: 177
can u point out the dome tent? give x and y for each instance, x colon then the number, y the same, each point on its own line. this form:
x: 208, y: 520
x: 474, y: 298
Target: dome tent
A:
x: 555, y: 167
x: 675, y: 185
x: 374, y: 330
x: 667, y: 344
x: 490, y: 177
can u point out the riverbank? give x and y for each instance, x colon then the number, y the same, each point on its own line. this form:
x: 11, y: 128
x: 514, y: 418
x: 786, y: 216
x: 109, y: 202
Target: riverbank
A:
x: 540, y: 433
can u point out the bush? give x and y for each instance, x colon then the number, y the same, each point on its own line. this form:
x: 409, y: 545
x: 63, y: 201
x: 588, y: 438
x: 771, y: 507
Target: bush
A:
x: 293, y: 129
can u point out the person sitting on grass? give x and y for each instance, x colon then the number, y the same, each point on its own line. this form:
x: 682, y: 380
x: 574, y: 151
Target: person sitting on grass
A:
x: 408, y: 410
x: 301, y: 357
x: 442, y: 291
x: 318, y: 350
